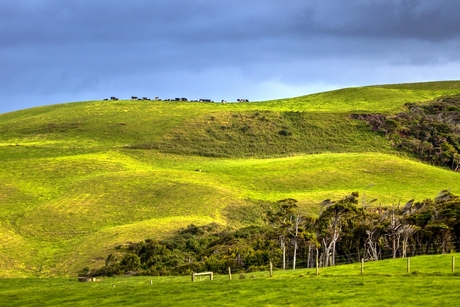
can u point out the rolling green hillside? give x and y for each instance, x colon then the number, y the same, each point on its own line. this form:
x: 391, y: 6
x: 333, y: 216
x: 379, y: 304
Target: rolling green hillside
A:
x: 78, y: 178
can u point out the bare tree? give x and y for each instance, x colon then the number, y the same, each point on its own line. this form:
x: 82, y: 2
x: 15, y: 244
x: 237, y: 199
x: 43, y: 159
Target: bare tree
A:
x: 295, y: 238
x: 407, y: 231
x: 331, y: 219
x: 393, y: 229
x: 370, y: 250
x: 281, y: 221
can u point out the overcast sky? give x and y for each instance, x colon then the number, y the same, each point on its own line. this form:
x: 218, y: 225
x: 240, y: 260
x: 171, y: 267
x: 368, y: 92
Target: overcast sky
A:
x: 54, y: 51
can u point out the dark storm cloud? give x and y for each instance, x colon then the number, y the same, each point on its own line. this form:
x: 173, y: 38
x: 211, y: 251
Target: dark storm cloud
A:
x: 55, y: 22
x: 421, y: 20
x: 83, y: 49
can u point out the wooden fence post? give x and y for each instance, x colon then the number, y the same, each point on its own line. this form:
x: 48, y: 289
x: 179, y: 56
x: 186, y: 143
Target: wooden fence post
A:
x: 193, y: 276
x: 229, y: 273
x: 408, y: 265
x: 453, y: 264
x: 317, y: 264
x: 362, y: 266
x: 271, y: 269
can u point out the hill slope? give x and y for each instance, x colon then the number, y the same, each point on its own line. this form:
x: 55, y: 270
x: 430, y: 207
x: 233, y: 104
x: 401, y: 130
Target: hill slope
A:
x: 78, y: 178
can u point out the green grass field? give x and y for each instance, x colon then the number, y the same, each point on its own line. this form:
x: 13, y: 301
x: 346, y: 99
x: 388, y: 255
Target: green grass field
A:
x: 430, y: 282
x: 77, y: 179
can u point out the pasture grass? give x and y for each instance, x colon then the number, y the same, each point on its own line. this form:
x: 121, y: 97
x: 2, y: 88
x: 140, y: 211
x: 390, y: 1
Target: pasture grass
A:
x: 89, y: 203
x: 265, y: 134
x: 117, y: 123
x: 384, y: 283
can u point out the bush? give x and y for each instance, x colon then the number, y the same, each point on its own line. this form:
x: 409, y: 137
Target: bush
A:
x: 284, y: 132
x: 84, y: 272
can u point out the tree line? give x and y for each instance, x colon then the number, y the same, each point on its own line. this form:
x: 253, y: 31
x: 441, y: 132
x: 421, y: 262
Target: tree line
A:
x: 344, y: 231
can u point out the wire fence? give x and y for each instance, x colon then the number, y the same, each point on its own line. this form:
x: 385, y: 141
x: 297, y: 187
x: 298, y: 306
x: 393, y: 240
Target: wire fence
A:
x: 305, y: 261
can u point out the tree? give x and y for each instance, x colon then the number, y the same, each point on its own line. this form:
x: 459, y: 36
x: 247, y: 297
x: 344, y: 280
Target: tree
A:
x: 331, y: 219
x: 372, y: 222
x: 295, y: 238
x: 407, y: 231
x: 393, y: 229
x: 130, y: 262
x: 282, y: 223
x: 302, y: 232
x: 456, y: 162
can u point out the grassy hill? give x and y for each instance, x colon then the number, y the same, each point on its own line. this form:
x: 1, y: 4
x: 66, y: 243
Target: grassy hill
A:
x: 78, y: 178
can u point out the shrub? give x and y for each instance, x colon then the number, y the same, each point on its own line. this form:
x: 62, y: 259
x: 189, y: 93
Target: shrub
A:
x: 284, y: 132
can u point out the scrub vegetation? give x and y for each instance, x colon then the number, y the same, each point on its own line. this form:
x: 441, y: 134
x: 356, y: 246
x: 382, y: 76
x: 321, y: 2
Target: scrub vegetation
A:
x: 344, y: 232
x: 79, y: 179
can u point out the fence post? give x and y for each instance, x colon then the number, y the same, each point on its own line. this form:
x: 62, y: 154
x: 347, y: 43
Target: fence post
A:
x: 408, y: 265
x: 453, y: 264
x: 229, y: 273
x: 317, y: 263
x: 271, y: 269
x: 362, y: 266
x: 193, y: 276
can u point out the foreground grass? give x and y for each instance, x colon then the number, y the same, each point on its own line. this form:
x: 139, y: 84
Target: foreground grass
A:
x: 310, y: 291
x: 385, y: 283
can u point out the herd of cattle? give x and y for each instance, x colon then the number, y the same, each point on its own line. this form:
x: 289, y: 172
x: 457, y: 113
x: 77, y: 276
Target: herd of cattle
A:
x: 175, y: 99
